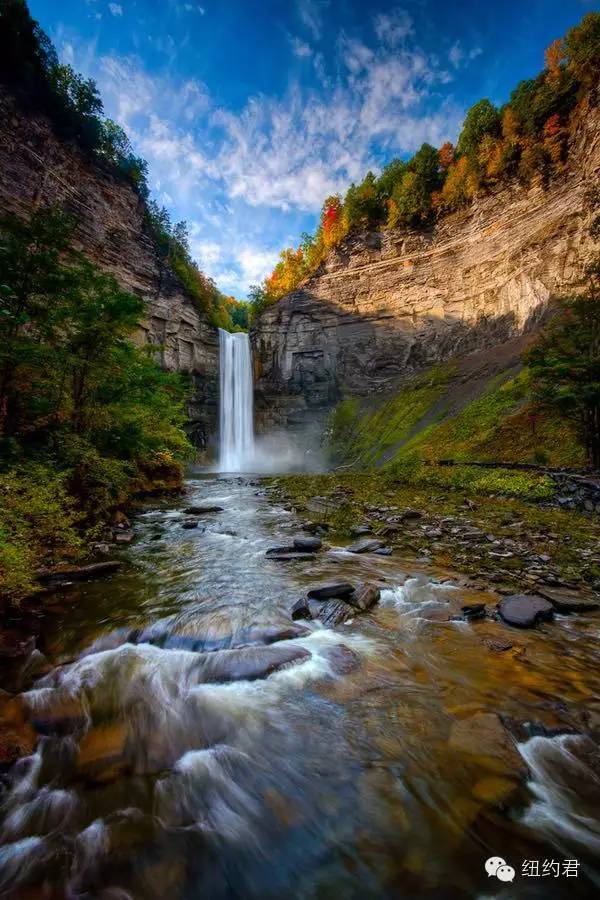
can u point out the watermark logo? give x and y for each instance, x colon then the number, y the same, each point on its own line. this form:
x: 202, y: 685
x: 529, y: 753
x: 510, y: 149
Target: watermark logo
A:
x: 532, y: 868
x: 497, y: 866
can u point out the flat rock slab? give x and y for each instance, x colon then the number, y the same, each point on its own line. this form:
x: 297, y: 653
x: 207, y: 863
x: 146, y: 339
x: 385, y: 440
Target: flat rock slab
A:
x: 484, y: 735
x: 525, y: 610
x: 366, y: 545
x: 364, y: 597
x: 201, y: 510
x: 566, y: 601
x: 328, y: 589
x: 307, y: 544
x: 80, y: 573
x: 330, y: 612
x: 255, y: 636
x: 383, y: 551
x: 249, y: 663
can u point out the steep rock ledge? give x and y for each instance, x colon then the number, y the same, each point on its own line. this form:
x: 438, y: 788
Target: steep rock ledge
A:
x: 384, y: 305
x: 36, y: 168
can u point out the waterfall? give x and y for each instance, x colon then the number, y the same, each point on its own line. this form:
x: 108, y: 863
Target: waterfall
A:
x: 235, y: 410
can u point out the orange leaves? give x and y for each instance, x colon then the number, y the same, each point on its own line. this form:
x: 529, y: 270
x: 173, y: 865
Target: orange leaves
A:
x: 554, y: 57
x: 446, y: 155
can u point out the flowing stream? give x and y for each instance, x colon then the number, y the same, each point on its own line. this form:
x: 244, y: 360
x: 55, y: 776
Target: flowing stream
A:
x: 195, y: 742
x: 169, y: 764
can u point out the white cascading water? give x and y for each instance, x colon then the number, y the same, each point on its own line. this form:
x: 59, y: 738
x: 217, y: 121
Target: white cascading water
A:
x: 236, y: 452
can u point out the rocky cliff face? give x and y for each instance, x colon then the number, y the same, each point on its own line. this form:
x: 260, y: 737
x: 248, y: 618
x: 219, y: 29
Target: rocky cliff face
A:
x: 37, y: 168
x: 384, y: 305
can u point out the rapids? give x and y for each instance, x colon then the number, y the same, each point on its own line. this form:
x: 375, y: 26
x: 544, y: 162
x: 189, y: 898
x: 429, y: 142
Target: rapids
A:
x: 350, y: 769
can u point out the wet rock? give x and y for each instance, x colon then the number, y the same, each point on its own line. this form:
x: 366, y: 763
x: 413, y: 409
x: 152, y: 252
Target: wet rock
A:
x: 102, y: 754
x: 300, y: 610
x: 525, y: 610
x: 364, y: 597
x: 484, y: 735
x: 473, y: 611
x: 367, y: 545
x: 190, y: 523
x: 269, y: 634
x: 62, y: 715
x: 17, y: 737
x: 285, y: 553
x: 342, y: 659
x: 315, y: 527
x: 202, y: 510
x: 359, y: 530
x: 78, y: 573
x: 498, y: 645
x: 328, y: 589
x: 331, y: 612
x: 567, y: 601
x: 249, y: 663
x: 307, y: 544
x: 123, y: 537
x: 383, y: 551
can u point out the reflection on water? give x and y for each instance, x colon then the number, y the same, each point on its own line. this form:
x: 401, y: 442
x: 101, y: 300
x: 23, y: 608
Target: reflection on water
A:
x: 195, y: 743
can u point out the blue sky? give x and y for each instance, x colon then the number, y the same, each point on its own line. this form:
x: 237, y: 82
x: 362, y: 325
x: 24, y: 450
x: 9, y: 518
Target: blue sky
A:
x: 250, y: 113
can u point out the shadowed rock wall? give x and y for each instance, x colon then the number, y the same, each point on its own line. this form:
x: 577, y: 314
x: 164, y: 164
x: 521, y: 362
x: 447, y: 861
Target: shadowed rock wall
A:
x: 37, y: 167
x: 386, y: 304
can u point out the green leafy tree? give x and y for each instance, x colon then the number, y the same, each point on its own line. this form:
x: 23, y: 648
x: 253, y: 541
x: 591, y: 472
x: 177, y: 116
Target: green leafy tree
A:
x: 483, y: 118
x: 565, y: 364
x: 582, y: 46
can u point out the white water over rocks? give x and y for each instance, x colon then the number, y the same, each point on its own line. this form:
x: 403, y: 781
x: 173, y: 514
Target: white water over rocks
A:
x: 236, y: 407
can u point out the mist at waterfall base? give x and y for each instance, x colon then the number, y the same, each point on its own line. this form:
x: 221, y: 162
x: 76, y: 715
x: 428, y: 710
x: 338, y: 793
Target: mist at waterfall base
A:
x: 240, y: 450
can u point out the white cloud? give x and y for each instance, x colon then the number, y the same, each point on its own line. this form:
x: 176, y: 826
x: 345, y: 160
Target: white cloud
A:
x: 457, y: 55
x: 300, y: 48
x: 311, y: 15
x: 115, y: 9
x: 201, y: 10
x: 392, y: 28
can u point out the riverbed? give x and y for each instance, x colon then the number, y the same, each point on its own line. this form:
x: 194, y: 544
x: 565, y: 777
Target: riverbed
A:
x: 390, y: 756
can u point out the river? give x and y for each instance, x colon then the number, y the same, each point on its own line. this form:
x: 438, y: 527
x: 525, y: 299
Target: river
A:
x: 372, y: 766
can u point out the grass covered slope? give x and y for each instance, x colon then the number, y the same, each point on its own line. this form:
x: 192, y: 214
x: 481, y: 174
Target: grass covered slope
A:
x: 457, y: 411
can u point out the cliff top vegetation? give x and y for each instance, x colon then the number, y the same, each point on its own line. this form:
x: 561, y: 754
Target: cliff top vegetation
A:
x: 525, y: 139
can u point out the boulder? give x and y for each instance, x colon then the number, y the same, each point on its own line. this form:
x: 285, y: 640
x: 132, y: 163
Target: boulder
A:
x: 283, y: 553
x: 328, y: 589
x: 123, y: 537
x: 364, y: 597
x: 383, y: 551
x: 567, y: 601
x: 359, y: 530
x: 300, y: 610
x: 191, y: 523
x: 331, y: 612
x: 307, y: 544
x: 315, y: 527
x: 201, y: 510
x: 366, y: 545
x: 248, y: 663
x: 525, y: 610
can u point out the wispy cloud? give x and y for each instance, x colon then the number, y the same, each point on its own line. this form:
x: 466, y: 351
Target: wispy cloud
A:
x: 279, y: 156
x: 115, y: 9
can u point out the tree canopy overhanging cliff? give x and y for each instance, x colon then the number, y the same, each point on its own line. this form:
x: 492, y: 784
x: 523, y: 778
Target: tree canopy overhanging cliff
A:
x: 526, y: 139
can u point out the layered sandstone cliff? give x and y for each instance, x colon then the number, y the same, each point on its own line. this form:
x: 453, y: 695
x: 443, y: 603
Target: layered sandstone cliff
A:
x: 384, y: 305
x: 37, y: 168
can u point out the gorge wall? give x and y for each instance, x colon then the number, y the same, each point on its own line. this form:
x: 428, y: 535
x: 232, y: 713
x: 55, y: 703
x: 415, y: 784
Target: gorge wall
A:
x: 37, y: 168
x: 384, y: 305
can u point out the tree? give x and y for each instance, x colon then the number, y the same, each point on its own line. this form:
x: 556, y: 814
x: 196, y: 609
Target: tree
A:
x: 482, y: 118
x: 362, y: 205
x: 582, y: 47
x: 565, y: 364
